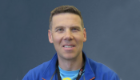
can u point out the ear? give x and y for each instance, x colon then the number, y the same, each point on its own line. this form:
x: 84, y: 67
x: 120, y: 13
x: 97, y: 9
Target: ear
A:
x: 50, y: 36
x: 85, y: 35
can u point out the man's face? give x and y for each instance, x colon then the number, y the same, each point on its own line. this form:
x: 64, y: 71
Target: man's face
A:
x: 67, y: 35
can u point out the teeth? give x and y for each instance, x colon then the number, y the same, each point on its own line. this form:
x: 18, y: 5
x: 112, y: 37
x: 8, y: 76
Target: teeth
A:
x: 68, y: 46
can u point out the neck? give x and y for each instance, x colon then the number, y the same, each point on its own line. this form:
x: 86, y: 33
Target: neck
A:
x: 71, y: 65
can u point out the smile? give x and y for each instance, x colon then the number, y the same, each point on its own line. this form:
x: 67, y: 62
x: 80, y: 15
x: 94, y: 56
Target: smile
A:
x: 68, y: 46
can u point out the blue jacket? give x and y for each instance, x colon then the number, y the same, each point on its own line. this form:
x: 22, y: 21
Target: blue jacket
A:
x: 93, y: 71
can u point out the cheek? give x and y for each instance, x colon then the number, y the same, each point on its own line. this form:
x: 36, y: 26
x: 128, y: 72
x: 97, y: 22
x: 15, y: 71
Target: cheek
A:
x: 57, y: 39
x: 79, y: 38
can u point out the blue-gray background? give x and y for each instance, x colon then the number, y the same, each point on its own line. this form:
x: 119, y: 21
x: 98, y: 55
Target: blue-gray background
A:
x: 113, y: 35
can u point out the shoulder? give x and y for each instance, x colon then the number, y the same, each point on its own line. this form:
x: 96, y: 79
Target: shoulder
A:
x: 36, y: 73
x: 98, y: 66
x: 103, y: 71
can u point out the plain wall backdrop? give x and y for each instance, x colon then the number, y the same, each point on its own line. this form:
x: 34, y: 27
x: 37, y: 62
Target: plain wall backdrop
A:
x: 113, y: 35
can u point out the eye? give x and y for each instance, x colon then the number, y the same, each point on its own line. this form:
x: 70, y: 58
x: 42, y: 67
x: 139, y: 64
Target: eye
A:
x: 74, y: 29
x: 60, y: 29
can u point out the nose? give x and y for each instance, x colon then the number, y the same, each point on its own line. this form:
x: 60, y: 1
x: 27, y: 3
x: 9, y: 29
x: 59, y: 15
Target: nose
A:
x: 68, y: 35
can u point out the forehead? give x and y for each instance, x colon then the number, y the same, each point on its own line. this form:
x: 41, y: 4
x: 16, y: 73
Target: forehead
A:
x: 66, y: 19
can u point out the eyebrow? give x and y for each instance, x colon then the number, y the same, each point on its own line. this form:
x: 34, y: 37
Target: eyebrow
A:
x: 70, y: 27
x: 75, y: 27
x: 59, y: 27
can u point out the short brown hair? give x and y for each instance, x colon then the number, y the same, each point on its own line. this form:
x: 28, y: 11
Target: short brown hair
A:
x: 65, y: 9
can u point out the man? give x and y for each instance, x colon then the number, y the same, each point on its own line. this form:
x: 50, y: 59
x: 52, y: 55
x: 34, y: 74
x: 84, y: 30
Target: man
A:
x: 67, y: 33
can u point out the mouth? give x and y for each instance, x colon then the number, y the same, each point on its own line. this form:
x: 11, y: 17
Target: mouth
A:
x: 68, y: 46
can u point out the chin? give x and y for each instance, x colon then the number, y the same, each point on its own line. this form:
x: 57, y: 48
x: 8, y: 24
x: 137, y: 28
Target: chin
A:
x: 69, y: 57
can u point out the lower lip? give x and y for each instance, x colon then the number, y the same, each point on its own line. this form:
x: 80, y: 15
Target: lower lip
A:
x: 68, y: 49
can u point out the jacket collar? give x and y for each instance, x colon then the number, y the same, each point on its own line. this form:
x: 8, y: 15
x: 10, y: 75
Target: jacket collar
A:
x: 89, y: 73
x: 51, y: 68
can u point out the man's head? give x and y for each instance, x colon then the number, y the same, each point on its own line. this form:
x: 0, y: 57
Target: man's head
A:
x: 65, y: 9
x: 66, y: 33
